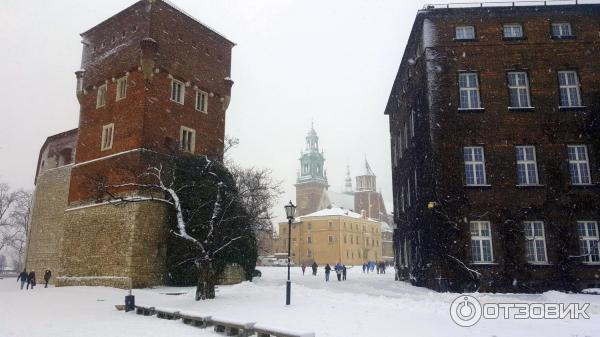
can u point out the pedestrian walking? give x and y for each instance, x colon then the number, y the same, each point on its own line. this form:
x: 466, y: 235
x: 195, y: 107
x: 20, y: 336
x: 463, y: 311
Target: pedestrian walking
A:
x: 47, y: 276
x: 314, y: 268
x: 344, y: 272
x: 338, y: 271
x: 303, y: 268
x: 383, y: 267
x: 327, y: 271
x: 23, y: 278
x: 31, y: 279
x: 364, y: 267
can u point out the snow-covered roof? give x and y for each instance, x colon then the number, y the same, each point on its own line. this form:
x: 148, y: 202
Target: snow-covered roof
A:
x: 334, y: 211
x: 385, y: 227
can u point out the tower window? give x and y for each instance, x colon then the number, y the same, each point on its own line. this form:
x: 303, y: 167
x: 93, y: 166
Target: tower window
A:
x: 107, y: 137
x: 187, y: 139
x: 201, y: 101
x: 177, y: 91
x: 121, y: 88
x: 101, y: 96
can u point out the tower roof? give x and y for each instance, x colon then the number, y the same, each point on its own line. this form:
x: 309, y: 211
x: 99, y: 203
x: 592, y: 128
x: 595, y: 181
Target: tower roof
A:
x: 368, y: 171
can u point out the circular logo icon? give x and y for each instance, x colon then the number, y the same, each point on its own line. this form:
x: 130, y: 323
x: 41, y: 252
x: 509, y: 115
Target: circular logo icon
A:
x: 465, y: 310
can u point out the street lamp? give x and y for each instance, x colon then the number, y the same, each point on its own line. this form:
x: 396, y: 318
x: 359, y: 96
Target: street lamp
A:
x: 290, y: 210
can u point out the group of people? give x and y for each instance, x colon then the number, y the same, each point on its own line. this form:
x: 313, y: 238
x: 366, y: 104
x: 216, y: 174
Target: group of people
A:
x: 29, y: 278
x: 340, y: 270
x: 371, y: 265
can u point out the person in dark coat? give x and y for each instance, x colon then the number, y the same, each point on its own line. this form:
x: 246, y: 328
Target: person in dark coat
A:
x: 303, y: 268
x: 31, y: 279
x: 364, y: 267
x: 327, y: 271
x: 338, y: 271
x: 344, y: 272
x: 314, y: 268
x: 47, y: 276
x: 23, y: 277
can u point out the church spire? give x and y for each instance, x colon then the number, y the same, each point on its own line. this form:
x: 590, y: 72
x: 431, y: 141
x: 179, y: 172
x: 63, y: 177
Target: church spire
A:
x: 312, y: 160
x: 348, y: 182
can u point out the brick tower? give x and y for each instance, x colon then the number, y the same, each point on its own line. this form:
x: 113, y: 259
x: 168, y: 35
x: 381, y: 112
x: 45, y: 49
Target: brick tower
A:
x: 153, y: 81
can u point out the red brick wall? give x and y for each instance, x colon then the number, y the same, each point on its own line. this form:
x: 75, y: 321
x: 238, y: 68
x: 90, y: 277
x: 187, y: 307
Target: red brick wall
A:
x: 147, y: 118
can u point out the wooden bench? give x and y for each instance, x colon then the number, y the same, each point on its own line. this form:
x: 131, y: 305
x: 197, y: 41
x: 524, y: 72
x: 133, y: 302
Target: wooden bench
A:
x: 164, y: 313
x: 270, y: 331
x: 146, y: 311
x: 232, y: 328
x: 194, y: 319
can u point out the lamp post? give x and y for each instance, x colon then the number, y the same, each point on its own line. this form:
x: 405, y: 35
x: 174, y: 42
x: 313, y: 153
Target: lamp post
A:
x: 290, y: 210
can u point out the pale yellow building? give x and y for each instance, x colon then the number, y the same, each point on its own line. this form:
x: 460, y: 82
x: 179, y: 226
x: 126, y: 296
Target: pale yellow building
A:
x: 330, y: 236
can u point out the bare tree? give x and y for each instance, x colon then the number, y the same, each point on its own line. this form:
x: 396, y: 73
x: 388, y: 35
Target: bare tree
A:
x: 15, y: 208
x: 208, y: 214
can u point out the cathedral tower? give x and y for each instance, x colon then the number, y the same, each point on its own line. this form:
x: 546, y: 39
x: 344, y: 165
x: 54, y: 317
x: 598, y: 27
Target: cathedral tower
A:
x: 366, y: 197
x: 312, y: 177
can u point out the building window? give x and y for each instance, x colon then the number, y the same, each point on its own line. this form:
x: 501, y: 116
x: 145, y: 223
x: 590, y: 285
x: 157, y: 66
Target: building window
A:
x: 469, y: 91
x: 400, y: 145
x: 309, y: 225
x: 412, y: 124
x: 107, y: 136
x: 309, y: 239
x: 588, y: 241
x: 406, y: 135
x: 536, y: 241
x: 101, y: 96
x: 518, y: 87
x: 570, y: 95
x: 481, y: 242
x: 177, y: 91
x: 309, y: 253
x: 331, y: 239
x: 474, y: 166
x: 579, y: 165
x: 351, y: 239
x: 513, y: 31
x: 121, y: 88
x: 344, y: 239
x: 201, y: 101
x: 465, y: 33
x: 526, y: 166
x: 187, y: 139
x: 561, y: 30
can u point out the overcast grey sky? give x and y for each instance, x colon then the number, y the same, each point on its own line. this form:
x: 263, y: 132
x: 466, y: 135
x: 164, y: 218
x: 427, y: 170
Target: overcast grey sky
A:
x: 330, y: 61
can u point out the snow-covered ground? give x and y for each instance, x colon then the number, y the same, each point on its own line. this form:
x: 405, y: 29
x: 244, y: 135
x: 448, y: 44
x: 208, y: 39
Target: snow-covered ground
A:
x: 364, y: 305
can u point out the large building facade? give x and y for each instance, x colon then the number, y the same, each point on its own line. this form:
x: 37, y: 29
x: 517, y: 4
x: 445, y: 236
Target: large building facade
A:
x: 331, y: 236
x: 494, y: 123
x: 153, y: 81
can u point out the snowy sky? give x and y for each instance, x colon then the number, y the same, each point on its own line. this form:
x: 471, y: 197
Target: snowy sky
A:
x: 330, y: 61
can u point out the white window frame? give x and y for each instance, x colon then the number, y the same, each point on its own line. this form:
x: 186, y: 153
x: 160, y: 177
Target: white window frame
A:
x: 481, y: 231
x: 569, y: 89
x: 588, y: 241
x: 509, y: 30
x: 535, y: 245
x: 101, y: 96
x: 464, y: 33
x: 579, y: 164
x: 524, y: 163
x: 121, y: 88
x: 187, y: 139
x: 473, y: 163
x: 201, y: 104
x: 177, y: 91
x: 518, y: 89
x: 108, y: 133
x: 468, y: 85
x: 561, y: 29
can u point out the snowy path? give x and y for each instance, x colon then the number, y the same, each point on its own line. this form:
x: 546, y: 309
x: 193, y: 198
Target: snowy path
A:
x: 365, y: 305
